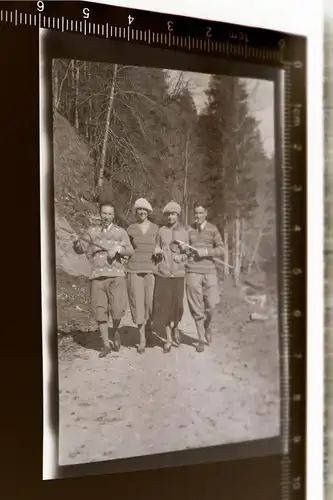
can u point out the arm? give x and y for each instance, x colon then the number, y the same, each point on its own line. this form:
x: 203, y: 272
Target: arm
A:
x: 158, y: 242
x: 186, y: 239
x: 217, y: 251
x: 125, y: 249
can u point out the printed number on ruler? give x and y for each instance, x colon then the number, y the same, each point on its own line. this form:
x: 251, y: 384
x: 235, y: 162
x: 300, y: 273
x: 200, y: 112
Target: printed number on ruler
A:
x: 40, y: 6
x: 297, y: 115
x: 130, y: 20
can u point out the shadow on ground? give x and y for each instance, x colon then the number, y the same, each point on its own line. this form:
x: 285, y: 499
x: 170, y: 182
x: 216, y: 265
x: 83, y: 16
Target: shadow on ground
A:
x: 129, y: 338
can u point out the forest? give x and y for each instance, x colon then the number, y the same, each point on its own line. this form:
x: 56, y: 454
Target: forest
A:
x: 146, y: 138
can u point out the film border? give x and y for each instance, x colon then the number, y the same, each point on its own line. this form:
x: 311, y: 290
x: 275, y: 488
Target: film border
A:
x: 290, y: 56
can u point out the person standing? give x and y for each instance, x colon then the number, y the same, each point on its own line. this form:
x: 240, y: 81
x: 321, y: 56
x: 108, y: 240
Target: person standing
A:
x: 108, y: 283
x: 201, y: 277
x: 140, y: 271
x: 170, y: 275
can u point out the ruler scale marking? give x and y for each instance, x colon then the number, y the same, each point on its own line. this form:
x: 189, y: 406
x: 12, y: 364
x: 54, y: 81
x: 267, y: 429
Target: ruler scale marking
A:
x: 288, y: 268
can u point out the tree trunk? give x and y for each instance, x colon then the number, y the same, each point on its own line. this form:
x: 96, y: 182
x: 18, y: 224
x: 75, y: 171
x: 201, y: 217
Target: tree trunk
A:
x: 241, y: 251
x: 87, y: 105
x: 89, y: 132
x: 226, y: 249
x: 107, y: 128
x: 63, y: 102
x: 185, y: 195
x: 237, y: 249
x: 72, y: 87
x: 256, y: 247
x: 77, y: 83
x: 55, y: 84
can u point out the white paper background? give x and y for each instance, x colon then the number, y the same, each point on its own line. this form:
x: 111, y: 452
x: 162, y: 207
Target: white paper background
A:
x: 302, y: 17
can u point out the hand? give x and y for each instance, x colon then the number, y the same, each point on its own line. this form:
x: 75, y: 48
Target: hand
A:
x: 181, y: 247
x: 118, y: 249
x: 158, y: 250
x: 112, y: 253
x: 177, y: 258
x: 76, y: 242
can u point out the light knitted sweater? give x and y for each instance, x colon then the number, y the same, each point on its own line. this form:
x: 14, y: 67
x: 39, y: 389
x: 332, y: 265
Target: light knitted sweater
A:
x: 210, y: 239
x: 101, y: 265
x: 143, y: 244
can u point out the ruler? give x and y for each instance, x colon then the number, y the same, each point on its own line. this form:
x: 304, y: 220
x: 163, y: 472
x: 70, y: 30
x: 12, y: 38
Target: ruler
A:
x: 216, y: 42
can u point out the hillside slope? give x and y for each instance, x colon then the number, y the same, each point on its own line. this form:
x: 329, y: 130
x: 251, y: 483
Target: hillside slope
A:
x: 73, y: 188
x: 73, y: 175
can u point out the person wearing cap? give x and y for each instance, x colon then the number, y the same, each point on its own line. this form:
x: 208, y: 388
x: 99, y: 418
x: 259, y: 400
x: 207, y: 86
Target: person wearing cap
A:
x: 140, y: 270
x: 170, y: 275
x: 201, y: 277
x: 108, y: 282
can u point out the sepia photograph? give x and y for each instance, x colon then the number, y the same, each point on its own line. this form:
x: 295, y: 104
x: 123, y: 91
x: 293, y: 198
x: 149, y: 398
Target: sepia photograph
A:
x: 166, y: 260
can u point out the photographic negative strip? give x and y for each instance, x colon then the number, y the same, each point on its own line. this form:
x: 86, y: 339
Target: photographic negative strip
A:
x: 172, y: 179
x: 157, y: 137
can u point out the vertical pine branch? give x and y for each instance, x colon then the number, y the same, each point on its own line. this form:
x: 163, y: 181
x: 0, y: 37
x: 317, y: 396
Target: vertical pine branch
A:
x: 107, y: 129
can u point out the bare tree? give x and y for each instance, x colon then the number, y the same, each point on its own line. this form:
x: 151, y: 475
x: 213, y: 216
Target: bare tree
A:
x: 107, y: 128
x: 55, y: 82
x: 185, y: 194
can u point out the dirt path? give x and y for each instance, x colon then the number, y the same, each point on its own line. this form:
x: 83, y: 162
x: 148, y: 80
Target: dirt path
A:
x: 129, y: 405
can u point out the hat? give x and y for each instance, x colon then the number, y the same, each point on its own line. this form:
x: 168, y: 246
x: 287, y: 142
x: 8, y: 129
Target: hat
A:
x: 172, y: 206
x: 142, y: 203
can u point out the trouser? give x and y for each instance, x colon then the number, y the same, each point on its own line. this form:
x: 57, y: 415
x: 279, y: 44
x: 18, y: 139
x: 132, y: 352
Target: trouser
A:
x: 140, y: 288
x: 108, y: 295
x: 202, y: 294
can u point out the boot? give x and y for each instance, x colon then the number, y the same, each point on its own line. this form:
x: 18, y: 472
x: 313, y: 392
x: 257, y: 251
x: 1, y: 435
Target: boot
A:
x: 116, y: 341
x: 149, y: 335
x: 176, y: 337
x: 115, y: 336
x: 104, y: 351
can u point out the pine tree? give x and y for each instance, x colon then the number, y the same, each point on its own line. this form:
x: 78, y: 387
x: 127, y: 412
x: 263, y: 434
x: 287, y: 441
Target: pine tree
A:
x: 232, y: 145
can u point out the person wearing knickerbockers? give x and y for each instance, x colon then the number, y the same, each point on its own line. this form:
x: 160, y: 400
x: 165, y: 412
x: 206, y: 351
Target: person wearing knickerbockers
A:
x: 201, y: 276
x: 108, y: 285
